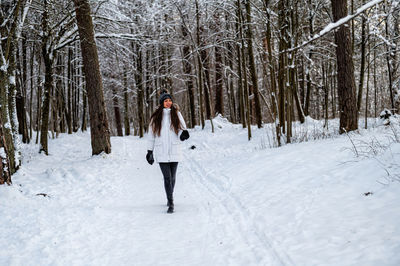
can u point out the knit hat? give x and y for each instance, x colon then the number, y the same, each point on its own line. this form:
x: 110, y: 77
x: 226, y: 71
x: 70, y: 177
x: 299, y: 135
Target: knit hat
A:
x: 164, y: 95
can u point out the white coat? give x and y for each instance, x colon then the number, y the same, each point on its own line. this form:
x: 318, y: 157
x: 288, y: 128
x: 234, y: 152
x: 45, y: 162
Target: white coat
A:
x: 166, y: 147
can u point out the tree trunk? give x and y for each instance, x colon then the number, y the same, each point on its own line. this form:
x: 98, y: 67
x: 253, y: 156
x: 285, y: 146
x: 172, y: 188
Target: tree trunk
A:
x: 367, y: 92
x: 20, y: 99
x: 58, y: 107
x: 199, y: 66
x: 48, y: 82
x: 126, y: 106
x: 326, y: 93
x: 6, y: 138
x: 207, y: 83
x: 5, y: 173
x: 69, y: 93
x: 84, y: 111
x: 240, y: 82
x: 333, y: 90
x: 245, y: 83
x: 362, y: 65
x: 219, y: 88
x: 31, y: 93
x: 139, y: 86
x: 39, y: 98
x: 390, y: 60
x: 187, y: 70
x: 253, y: 70
x: 283, y: 39
x: 148, y: 107
x: 77, y: 92
x: 100, y: 133
x: 345, y: 70
x: 117, y: 113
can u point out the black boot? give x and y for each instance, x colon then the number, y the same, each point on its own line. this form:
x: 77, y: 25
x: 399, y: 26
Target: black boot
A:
x: 170, y: 207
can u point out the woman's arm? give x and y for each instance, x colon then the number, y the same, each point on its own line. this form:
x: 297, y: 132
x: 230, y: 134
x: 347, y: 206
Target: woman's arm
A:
x: 183, y: 133
x: 183, y: 124
x: 150, y: 138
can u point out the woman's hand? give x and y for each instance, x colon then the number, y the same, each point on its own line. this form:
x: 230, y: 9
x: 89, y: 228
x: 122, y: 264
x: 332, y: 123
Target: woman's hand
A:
x: 185, y: 135
x: 149, y: 157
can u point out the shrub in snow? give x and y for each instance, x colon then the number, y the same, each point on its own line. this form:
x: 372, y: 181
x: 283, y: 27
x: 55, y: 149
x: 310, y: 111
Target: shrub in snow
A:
x: 385, y: 117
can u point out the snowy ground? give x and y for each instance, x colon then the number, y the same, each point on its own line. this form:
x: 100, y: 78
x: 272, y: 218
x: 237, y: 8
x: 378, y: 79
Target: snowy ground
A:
x: 237, y: 203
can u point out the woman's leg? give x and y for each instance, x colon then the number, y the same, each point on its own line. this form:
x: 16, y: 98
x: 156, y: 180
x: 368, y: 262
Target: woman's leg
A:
x: 167, y: 173
x: 174, y: 167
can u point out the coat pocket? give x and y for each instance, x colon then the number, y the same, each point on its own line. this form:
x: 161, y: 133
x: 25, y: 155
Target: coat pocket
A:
x: 176, y: 148
x: 157, y: 150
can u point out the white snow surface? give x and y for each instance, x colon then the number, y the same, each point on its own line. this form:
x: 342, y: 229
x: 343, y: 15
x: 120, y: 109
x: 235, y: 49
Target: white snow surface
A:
x: 237, y: 203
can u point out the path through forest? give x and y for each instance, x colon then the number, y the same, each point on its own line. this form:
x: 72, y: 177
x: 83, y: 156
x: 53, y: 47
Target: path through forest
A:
x: 237, y: 203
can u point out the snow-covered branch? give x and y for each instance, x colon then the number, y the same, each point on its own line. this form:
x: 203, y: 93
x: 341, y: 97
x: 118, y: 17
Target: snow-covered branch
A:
x: 331, y: 26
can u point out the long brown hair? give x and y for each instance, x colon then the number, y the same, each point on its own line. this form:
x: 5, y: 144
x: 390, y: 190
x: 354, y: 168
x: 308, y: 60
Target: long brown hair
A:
x: 157, y: 116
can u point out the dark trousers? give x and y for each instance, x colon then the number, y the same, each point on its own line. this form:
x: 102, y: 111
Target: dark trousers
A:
x: 169, y: 172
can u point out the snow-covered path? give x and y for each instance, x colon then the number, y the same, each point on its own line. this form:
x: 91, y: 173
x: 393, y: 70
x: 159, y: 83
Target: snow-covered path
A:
x: 236, y: 204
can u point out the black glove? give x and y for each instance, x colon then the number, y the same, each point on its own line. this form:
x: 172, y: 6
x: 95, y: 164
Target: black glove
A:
x: 185, y: 135
x: 149, y: 157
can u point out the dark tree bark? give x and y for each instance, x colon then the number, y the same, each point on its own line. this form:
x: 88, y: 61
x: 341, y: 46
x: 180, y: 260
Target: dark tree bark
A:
x: 38, y: 97
x: 148, y: 85
x: 199, y: 66
x: 390, y: 58
x: 77, y: 86
x: 126, y: 106
x: 240, y: 81
x: 219, y: 88
x: 229, y: 74
x: 310, y: 54
x: 253, y: 70
x: 139, y: 86
x: 69, y: 92
x: 31, y: 93
x: 20, y: 98
x: 100, y: 133
x: 84, y: 111
x: 48, y: 82
x: 345, y: 70
x: 362, y: 65
x: 187, y: 70
x: 244, y: 67
x: 117, y: 113
x: 282, y: 64
x: 293, y: 75
x: 58, y: 98
x: 333, y: 91
x: 207, y: 82
x: 367, y: 92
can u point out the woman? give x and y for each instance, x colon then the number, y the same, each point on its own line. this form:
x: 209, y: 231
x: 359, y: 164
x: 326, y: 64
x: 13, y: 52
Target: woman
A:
x: 166, y: 129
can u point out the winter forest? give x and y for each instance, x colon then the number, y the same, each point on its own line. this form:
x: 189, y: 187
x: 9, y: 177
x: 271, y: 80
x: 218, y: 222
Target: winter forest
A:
x: 297, y: 86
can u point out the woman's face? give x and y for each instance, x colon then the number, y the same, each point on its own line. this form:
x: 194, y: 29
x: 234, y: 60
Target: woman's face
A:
x: 167, y: 103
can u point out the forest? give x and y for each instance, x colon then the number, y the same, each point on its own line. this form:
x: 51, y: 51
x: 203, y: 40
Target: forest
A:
x: 253, y: 62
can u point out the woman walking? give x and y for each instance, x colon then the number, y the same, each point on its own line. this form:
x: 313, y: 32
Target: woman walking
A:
x: 166, y: 129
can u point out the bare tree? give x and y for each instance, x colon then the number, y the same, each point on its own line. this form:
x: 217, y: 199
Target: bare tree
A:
x: 99, y: 130
x: 345, y: 69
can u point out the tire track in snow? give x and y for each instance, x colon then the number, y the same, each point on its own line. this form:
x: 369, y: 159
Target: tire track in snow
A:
x: 239, y: 215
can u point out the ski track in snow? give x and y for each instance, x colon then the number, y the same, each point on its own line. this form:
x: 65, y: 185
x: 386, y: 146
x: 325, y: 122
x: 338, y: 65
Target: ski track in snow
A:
x: 258, y: 242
